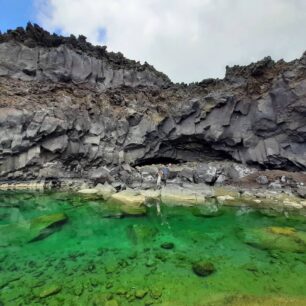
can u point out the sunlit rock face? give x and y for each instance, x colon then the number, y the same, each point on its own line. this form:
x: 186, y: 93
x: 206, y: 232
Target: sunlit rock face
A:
x: 69, y: 109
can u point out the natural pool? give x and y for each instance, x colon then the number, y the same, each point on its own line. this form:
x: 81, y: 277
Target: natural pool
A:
x: 63, y: 249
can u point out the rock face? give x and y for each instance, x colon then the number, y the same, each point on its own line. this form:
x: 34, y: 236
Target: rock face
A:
x: 34, y: 54
x: 70, y: 110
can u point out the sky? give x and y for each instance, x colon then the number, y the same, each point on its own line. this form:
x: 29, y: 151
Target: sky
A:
x: 189, y: 40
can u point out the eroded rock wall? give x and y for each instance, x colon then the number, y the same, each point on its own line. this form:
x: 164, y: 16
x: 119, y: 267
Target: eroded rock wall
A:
x: 70, y: 113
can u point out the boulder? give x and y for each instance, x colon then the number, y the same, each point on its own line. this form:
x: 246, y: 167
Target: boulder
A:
x: 131, y: 202
x: 203, y: 268
x: 141, y: 293
x: 49, y: 290
x: 275, y: 185
x: 88, y: 191
x: 128, y: 197
x: 284, y: 239
x: 141, y: 233
x: 262, y: 180
x: 100, y: 175
x: 56, y: 145
x: 112, y: 302
x: 105, y: 191
x: 151, y: 196
x: 301, y: 191
x: 205, y: 173
x: 167, y: 245
x: 182, y: 196
x: 43, y: 226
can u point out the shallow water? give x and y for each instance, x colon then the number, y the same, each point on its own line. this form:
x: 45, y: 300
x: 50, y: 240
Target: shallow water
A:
x: 92, y: 259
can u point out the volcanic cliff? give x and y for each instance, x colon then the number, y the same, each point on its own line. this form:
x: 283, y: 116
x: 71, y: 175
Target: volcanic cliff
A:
x: 68, y: 108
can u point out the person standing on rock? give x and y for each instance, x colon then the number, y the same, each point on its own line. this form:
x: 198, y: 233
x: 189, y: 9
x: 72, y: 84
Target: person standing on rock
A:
x: 165, y: 174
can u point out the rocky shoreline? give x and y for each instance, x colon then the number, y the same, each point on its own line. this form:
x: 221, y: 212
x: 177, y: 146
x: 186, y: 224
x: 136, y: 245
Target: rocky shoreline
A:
x: 209, y: 185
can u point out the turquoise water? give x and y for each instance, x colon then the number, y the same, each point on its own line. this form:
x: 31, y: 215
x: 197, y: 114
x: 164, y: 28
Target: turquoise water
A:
x: 84, y: 253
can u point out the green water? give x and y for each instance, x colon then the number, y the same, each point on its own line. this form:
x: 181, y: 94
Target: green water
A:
x: 94, y: 259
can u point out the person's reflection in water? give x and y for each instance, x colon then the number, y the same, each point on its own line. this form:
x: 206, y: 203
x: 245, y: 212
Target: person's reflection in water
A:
x: 158, y: 208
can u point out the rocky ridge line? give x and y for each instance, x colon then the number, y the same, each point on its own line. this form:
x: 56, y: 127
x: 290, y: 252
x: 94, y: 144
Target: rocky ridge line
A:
x: 35, y: 54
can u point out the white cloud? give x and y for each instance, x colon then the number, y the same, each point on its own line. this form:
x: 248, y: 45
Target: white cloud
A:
x: 188, y: 40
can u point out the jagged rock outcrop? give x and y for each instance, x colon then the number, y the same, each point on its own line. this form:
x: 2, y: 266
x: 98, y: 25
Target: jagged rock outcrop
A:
x: 68, y: 109
x: 34, y: 54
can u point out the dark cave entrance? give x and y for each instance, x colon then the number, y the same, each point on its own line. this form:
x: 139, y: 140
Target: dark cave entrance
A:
x: 158, y: 160
x: 185, y: 149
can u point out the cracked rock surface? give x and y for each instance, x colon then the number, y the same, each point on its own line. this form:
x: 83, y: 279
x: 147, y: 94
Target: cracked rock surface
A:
x: 69, y: 109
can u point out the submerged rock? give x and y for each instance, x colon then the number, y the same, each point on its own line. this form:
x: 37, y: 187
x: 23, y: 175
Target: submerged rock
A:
x: 111, y: 303
x: 284, y: 239
x: 141, y: 293
x: 203, y: 268
x: 128, y: 210
x: 150, y: 263
x: 246, y: 300
x: 33, y: 230
x: 140, y: 233
x: 43, y: 226
x: 49, y: 290
x: 155, y: 293
x: 167, y: 245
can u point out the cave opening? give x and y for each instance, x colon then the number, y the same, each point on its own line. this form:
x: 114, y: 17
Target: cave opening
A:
x: 158, y: 160
x: 183, y: 150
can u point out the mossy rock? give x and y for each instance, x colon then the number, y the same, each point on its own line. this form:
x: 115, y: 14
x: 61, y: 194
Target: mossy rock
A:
x: 140, y: 233
x: 141, y: 293
x: 49, y: 290
x: 242, y: 300
x: 285, y: 231
x: 284, y: 239
x: 109, y: 210
x: 203, y: 268
x: 47, y: 220
x: 155, y: 293
x: 45, y: 225
x: 128, y: 210
x: 111, y: 303
x: 36, y: 229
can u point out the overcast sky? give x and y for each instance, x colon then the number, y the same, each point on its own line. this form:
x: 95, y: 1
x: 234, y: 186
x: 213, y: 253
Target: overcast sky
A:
x: 189, y: 40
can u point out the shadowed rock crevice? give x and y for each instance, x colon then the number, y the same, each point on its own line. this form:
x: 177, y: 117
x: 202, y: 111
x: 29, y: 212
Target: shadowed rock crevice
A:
x: 157, y: 161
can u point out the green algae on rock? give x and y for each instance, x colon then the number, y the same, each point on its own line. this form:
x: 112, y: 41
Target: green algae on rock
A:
x: 49, y: 290
x: 285, y: 239
x: 45, y: 225
x: 203, y: 268
x: 95, y: 260
x: 31, y: 230
x: 140, y: 233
